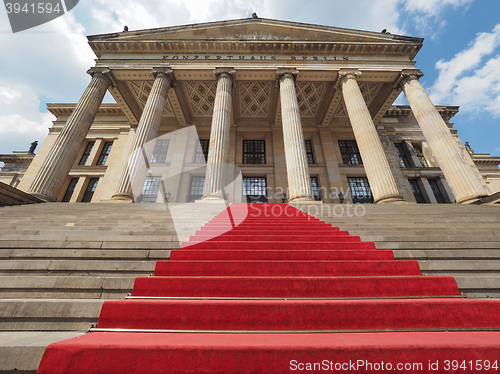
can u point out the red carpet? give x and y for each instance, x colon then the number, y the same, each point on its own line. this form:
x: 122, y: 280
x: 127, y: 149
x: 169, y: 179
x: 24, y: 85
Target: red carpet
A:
x: 283, y: 292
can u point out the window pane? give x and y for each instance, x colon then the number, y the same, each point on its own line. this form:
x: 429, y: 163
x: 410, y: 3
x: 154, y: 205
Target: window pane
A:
x: 404, y: 160
x: 150, y: 189
x: 420, y: 155
x: 309, y: 152
x: 417, y: 192
x: 315, y: 188
x: 254, y: 152
x: 437, y: 191
x: 360, y: 190
x: 69, y: 191
x: 160, y: 151
x: 255, y: 189
x: 104, y: 153
x: 201, y: 154
x: 350, y: 152
x: 86, y: 153
x: 196, y: 188
x: 89, y: 191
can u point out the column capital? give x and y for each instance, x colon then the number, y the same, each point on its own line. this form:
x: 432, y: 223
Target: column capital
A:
x: 103, y: 73
x: 286, y: 73
x: 165, y: 72
x: 224, y: 72
x: 406, y: 75
x: 345, y: 74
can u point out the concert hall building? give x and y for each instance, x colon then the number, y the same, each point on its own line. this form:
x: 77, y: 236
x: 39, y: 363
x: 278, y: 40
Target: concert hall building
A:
x: 305, y: 112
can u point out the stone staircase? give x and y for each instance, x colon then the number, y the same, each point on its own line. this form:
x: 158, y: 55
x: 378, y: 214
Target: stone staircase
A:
x: 458, y: 240
x: 59, y: 262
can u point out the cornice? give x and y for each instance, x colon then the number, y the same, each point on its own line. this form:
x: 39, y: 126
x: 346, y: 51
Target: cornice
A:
x: 447, y: 112
x: 394, y: 48
x: 61, y: 109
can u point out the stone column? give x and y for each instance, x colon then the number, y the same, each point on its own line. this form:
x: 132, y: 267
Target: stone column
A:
x: 147, y: 129
x: 378, y: 171
x: 299, y: 182
x: 462, y: 180
x: 215, y: 176
x: 57, y: 165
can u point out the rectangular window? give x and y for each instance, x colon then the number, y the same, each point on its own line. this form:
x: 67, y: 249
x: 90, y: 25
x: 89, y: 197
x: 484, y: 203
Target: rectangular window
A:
x: 89, y: 191
x: 201, y: 154
x: 196, y: 188
x: 350, y: 152
x: 309, y: 152
x: 360, y: 190
x: 160, y: 151
x: 150, y: 189
x: 417, y: 192
x: 437, y: 191
x: 86, y: 153
x: 420, y: 155
x: 69, y: 191
x: 315, y: 189
x: 255, y: 189
x: 104, y: 153
x: 404, y: 159
x: 254, y: 152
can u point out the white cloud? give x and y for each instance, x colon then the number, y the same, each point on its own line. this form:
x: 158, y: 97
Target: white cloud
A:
x: 427, y: 14
x: 20, y: 119
x: 434, y: 7
x: 470, y: 79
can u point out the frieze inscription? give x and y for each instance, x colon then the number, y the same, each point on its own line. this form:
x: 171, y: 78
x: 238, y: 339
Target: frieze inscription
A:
x: 199, y: 57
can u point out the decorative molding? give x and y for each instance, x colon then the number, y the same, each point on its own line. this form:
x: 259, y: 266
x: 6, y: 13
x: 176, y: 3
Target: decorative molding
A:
x: 309, y: 95
x: 201, y: 97
x: 141, y: 90
x: 255, y: 98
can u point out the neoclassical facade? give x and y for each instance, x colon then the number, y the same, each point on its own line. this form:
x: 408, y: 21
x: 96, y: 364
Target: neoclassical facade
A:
x: 304, y: 112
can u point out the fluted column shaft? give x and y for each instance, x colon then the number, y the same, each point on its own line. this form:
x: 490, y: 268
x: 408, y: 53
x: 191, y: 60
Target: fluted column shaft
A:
x: 57, y: 165
x: 147, y: 129
x: 219, y: 137
x: 451, y: 159
x: 378, y: 171
x: 299, y: 181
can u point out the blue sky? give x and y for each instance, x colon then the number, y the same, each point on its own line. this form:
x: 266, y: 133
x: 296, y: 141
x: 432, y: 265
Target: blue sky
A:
x: 460, y: 57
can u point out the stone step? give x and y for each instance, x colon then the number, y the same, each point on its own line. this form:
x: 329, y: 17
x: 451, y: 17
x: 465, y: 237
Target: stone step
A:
x: 60, y: 244
x: 439, y: 254
x: 21, y: 351
x: 65, y: 287
x: 77, y: 267
x: 86, y: 254
x: 49, y: 314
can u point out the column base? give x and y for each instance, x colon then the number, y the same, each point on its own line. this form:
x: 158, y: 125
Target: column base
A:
x: 122, y: 198
x: 391, y: 200
x: 303, y: 200
x: 470, y: 199
x: 43, y: 197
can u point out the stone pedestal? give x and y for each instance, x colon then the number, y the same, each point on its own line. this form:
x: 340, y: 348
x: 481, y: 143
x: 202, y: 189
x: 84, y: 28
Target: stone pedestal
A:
x: 378, y: 171
x: 55, y: 168
x: 462, y: 180
x: 299, y: 181
x: 215, y: 177
x: 147, y: 129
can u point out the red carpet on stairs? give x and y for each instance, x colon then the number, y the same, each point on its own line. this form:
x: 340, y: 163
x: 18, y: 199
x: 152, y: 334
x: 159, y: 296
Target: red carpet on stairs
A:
x: 283, y: 292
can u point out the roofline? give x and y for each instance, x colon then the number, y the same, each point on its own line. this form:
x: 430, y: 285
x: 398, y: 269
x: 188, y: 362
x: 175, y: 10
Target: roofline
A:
x: 103, y: 37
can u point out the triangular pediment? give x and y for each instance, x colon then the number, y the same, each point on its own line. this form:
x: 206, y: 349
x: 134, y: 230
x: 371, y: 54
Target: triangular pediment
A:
x: 255, y: 29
